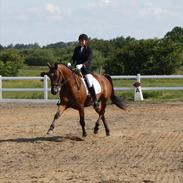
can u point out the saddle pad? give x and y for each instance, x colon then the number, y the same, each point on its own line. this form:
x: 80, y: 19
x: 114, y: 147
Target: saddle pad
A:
x: 96, y: 85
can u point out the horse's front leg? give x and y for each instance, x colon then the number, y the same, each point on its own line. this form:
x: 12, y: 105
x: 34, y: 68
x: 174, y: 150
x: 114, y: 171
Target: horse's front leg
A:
x: 59, y: 112
x: 82, y: 121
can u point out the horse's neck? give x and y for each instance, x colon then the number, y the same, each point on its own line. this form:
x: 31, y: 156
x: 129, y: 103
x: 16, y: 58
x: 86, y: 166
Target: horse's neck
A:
x: 69, y: 77
x: 65, y: 72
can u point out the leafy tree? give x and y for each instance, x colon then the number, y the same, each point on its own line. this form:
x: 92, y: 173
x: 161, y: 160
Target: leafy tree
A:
x: 114, y: 62
x: 167, y: 57
x: 145, y: 56
x: 1, y: 47
x: 28, y: 46
x: 175, y: 35
x: 40, y: 57
x: 98, y: 61
x: 116, y: 56
x: 101, y: 45
x: 10, y: 62
x: 59, y: 45
x: 64, y: 55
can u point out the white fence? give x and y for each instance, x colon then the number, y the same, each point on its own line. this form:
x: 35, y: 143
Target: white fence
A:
x: 45, y: 88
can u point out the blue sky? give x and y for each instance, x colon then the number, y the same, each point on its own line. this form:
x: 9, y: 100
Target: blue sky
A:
x: 51, y: 21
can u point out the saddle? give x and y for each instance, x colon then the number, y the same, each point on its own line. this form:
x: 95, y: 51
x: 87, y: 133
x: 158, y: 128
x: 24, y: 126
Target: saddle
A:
x: 95, y: 83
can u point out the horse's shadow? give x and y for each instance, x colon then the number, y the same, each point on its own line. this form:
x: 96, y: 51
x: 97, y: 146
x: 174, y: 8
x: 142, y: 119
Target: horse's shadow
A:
x: 43, y: 139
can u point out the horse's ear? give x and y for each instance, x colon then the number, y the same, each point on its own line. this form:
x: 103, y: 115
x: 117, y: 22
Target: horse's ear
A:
x: 49, y: 65
x: 43, y: 74
x: 56, y: 66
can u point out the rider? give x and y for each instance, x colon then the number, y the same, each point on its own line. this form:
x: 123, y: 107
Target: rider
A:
x: 82, y: 58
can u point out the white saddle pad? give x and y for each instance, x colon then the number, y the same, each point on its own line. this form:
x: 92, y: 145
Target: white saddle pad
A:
x: 96, y: 85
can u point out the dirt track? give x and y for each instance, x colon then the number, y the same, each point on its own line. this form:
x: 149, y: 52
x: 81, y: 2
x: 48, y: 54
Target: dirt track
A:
x: 145, y: 146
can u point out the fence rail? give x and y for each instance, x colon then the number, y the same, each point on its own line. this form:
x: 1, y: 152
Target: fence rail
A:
x: 45, y: 88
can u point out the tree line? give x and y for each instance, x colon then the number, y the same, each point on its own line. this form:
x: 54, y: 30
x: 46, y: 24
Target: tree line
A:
x: 119, y: 56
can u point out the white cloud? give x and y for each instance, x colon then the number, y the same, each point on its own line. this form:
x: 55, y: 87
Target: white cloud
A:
x: 109, y: 17
x: 157, y: 12
x: 100, y: 3
x: 154, y: 9
x: 105, y: 1
x: 52, y: 8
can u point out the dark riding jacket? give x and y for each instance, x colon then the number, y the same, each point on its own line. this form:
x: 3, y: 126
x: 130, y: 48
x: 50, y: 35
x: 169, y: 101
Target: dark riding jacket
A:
x: 83, y: 57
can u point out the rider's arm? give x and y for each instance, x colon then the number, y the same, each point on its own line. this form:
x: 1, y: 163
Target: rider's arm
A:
x: 74, y: 57
x: 89, y: 54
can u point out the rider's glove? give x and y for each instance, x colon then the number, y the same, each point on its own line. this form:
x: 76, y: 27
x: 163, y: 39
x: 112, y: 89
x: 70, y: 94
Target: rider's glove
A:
x: 79, y: 66
x: 68, y: 64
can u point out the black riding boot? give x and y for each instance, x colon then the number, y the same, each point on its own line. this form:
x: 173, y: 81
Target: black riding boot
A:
x: 93, y: 94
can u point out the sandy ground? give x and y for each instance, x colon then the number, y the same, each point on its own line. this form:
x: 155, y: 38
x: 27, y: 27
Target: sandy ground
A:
x: 145, y: 146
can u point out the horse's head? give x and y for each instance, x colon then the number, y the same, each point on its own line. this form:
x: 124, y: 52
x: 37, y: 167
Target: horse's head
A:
x: 55, y: 76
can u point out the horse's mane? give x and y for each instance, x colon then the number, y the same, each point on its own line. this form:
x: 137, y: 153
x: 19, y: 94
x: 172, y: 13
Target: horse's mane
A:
x: 66, y: 66
x: 76, y: 75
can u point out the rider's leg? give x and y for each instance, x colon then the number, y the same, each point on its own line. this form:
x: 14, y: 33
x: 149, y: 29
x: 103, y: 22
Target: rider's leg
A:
x: 91, y: 89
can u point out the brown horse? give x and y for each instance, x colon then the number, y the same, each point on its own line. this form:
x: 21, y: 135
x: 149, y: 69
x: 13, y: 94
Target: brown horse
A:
x: 73, y: 95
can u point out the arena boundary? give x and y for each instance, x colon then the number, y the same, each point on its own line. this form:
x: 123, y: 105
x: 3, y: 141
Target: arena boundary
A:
x: 45, y: 89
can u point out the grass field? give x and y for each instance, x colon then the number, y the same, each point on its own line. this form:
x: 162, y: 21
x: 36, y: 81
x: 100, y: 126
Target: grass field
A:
x: 26, y: 71
x: 128, y: 95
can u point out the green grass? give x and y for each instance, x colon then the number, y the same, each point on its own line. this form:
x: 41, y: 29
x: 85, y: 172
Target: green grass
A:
x: 128, y: 95
x: 26, y: 71
x: 32, y: 70
x: 152, y: 95
x: 161, y: 82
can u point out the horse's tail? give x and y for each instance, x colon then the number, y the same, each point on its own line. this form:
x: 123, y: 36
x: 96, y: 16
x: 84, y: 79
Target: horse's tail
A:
x: 115, y: 99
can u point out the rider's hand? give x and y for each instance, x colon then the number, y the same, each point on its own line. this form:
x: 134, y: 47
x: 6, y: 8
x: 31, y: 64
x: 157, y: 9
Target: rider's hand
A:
x: 68, y: 64
x: 79, y: 66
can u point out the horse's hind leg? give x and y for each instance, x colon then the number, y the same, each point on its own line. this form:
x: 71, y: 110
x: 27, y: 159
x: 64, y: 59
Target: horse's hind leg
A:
x: 101, y: 112
x: 97, y: 124
x: 106, y: 125
x: 60, y: 110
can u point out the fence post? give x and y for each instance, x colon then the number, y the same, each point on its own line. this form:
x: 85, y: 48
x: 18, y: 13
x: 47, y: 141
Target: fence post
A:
x: 138, y: 78
x: 45, y: 87
x: 138, y: 91
x: 1, y: 88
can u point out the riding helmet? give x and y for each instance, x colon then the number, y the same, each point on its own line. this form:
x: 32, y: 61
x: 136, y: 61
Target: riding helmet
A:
x: 83, y: 37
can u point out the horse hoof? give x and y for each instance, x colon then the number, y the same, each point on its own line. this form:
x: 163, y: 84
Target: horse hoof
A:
x: 95, y: 131
x: 84, y: 134
x: 49, y: 132
x: 107, y: 134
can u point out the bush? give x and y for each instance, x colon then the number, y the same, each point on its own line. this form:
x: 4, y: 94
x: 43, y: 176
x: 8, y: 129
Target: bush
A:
x: 10, y: 63
x: 40, y: 57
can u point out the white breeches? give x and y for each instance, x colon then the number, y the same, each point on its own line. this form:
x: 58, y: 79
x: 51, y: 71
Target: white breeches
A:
x: 89, y: 80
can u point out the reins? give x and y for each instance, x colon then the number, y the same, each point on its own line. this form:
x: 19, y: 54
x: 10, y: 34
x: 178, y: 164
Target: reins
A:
x: 74, y: 71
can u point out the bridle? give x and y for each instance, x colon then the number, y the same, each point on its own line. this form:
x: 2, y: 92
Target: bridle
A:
x: 62, y: 80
